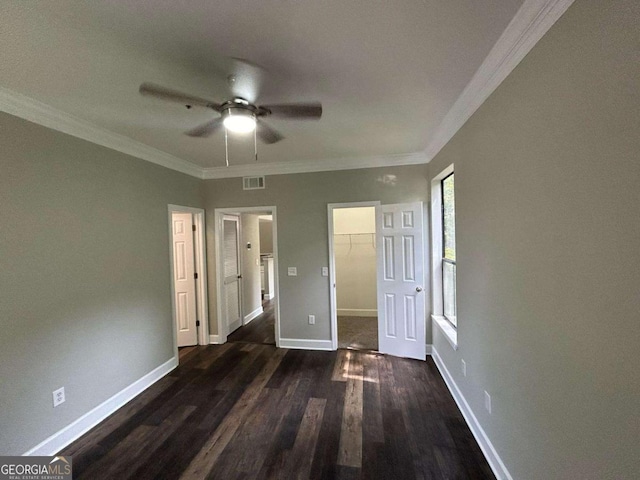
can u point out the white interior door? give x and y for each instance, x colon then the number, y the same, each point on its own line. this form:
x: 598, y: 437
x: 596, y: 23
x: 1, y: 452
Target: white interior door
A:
x: 232, y: 276
x: 401, y: 296
x: 184, y: 279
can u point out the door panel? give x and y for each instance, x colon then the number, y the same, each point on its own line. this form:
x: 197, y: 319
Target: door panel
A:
x: 231, y: 250
x: 183, y: 279
x: 401, y: 320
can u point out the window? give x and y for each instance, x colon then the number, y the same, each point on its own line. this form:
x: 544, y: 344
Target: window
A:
x: 443, y: 255
x: 449, y: 249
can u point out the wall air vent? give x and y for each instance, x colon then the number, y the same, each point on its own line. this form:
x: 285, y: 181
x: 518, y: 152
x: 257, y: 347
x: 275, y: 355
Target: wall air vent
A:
x: 252, y: 183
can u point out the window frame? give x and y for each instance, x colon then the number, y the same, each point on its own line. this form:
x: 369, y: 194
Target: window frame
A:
x: 445, y: 259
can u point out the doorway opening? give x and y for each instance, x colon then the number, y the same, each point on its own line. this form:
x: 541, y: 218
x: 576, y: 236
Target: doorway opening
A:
x: 398, y: 273
x: 187, y: 254
x: 354, y: 275
x: 247, y: 275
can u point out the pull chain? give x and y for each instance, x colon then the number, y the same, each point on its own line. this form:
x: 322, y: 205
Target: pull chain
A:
x: 255, y: 143
x: 226, y: 147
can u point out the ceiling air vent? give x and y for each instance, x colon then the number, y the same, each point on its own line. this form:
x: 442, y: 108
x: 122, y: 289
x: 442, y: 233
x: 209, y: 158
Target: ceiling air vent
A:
x: 252, y: 183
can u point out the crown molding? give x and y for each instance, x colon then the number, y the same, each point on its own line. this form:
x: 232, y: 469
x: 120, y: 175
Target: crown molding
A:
x: 35, y: 111
x: 528, y: 26
x: 320, y: 165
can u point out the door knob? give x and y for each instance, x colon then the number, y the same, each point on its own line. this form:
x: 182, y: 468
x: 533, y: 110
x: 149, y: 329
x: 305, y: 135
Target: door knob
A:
x: 418, y: 289
x: 239, y: 276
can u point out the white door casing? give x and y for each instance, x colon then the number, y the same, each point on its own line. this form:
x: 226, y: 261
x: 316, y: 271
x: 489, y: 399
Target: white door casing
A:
x: 231, y: 272
x: 184, y: 279
x: 401, y: 296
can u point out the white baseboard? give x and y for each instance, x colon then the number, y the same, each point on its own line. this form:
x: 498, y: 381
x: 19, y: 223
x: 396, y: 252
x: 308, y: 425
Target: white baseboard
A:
x: 495, y: 462
x: 302, y: 344
x: 358, y: 312
x: 86, y: 422
x: 258, y: 311
x: 269, y: 296
x: 215, y: 339
x: 429, y: 349
x: 234, y: 326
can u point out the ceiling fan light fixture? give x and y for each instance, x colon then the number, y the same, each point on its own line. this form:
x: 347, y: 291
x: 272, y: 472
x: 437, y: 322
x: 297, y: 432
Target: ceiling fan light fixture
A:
x: 239, y: 120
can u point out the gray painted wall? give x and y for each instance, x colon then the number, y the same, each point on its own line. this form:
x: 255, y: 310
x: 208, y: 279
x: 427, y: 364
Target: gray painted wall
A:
x: 548, y: 253
x: 302, y: 229
x: 266, y: 236
x: 251, y: 290
x: 85, y: 299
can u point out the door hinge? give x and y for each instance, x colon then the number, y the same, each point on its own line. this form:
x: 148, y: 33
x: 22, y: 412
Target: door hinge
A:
x: 197, y: 323
x: 195, y: 275
x: 193, y: 227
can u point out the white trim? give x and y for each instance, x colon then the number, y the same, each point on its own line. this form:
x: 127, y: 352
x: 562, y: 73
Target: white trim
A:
x: 528, y: 26
x: 257, y: 312
x: 450, y: 333
x: 200, y: 254
x: 234, y: 326
x: 304, y: 344
x: 494, y: 460
x: 317, y: 165
x: 93, y: 417
x: 333, y: 302
x: 269, y: 296
x: 35, y: 111
x: 358, y: 312
x: 202, y: 288
x: 218, y: 216
x: 215, y: 339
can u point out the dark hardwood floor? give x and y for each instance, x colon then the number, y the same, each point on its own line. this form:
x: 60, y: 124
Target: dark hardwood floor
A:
x: 260, y: 330
x: 245, y: 411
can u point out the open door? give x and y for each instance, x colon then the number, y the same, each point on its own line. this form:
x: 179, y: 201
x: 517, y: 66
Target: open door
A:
x: 184, y: 279
x: 401, y: 296
x: 232, y: 275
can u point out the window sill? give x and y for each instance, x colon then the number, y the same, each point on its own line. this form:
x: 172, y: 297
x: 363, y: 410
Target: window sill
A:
x: 447, y: 329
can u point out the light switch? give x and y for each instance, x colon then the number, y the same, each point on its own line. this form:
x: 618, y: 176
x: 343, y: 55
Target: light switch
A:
x: 325, y: 271
x: 292, y: 271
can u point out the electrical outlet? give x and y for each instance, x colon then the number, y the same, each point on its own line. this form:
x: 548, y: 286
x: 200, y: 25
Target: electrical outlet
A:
x: 312, y: 319
x: 325, y: 271
x: 487, y: 401
x: 464, y: 368
x: 292, y: 271
x: 58, y: 397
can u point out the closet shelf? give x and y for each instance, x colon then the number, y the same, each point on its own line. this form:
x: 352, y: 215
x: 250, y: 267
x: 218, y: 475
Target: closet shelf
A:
x: 358, y: 235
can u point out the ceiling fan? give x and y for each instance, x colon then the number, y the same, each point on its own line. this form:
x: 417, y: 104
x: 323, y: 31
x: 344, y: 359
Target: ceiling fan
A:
x: 239, y: 114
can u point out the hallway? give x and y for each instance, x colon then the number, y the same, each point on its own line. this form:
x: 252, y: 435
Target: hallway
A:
x: 260, y: 330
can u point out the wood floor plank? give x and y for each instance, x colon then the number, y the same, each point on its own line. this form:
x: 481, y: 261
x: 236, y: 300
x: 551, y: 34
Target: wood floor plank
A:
x: 341, y: 368
x: 350, y: 452
x: 203, y: 463
x: 256, y: 435
x: 299, y: 459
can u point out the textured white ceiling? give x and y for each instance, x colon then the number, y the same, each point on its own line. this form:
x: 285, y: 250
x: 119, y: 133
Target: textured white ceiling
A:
x: 386, y: 72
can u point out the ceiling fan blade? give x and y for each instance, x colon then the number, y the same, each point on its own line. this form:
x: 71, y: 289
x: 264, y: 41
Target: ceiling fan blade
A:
x: 294, y: 110
x: 206, y: 129
x: 267, y: 134
x: 245, y: 78
x: 153, y: 90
